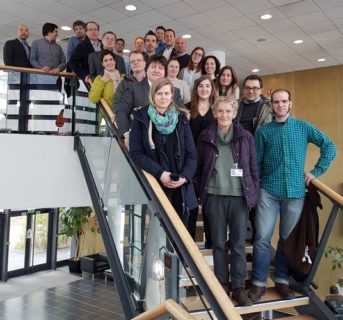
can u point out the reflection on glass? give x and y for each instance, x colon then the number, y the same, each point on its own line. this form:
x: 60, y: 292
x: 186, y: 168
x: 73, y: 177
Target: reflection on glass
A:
x: 16, y: 253
x: 63, y: 247
x: 39, y: 244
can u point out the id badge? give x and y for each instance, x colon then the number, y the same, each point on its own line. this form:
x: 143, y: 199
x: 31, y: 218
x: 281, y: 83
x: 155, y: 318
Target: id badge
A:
x: 235, y: 172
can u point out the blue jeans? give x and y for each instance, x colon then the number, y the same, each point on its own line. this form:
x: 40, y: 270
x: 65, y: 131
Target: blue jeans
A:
x: 268, y: 208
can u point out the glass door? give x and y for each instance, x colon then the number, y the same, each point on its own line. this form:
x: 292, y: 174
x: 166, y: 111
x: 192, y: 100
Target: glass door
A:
x: 28, y: 249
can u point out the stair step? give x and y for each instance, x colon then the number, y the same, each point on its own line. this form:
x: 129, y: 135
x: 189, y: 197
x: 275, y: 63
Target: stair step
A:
x: 299, y: 317
x: 185, y: 280
x: 270, y: 301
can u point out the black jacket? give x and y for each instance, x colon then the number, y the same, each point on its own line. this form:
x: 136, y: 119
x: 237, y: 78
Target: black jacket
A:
x: 143, y: 156
x: 15, y: 54
x: 79, y: 59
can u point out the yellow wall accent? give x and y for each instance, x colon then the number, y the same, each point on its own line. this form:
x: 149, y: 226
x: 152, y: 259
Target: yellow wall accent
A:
x: 317, y: 96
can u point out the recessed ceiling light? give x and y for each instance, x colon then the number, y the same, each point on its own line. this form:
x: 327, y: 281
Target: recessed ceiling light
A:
x: 298, y: 41
x: 261, y: 40
x: 65, y: 28
x: 266, y: 16
x: 255, y: 70
x: 187, y: 36
x: 130, y: 7
x: 321, y: 59
x: 126, y: 50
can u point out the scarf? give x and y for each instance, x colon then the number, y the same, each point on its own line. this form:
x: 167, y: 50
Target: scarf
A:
x: 114, y: 76
x: 165, y: 124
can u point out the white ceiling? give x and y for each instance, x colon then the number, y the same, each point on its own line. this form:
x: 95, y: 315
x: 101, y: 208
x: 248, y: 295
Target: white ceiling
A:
x: 232, y: 26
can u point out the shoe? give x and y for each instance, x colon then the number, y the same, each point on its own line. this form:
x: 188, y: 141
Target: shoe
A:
x: 241, y: 297
x: 284, y: 291
x: 256, y: 292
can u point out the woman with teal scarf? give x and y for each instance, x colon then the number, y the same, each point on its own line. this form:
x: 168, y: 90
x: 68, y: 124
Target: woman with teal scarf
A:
x: 161, y: 143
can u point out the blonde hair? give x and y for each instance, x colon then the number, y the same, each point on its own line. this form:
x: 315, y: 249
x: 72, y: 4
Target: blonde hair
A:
x: 227, y: 100
x: 157, y: 85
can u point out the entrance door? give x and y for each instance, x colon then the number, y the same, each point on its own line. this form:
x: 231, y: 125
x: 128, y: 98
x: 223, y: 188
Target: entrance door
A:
x: 28, y: 242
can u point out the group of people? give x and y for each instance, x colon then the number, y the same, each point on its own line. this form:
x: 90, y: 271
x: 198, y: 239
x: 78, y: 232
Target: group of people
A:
x: 183, y: 121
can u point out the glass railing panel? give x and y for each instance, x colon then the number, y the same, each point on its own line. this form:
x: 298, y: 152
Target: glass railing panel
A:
x: 98, y: 152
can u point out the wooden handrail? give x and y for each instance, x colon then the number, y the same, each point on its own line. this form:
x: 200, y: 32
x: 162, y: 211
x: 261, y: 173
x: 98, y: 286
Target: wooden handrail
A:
x: 37, y: 71
x: 168, y: 306
x: 328, y: 192
x: 206, y: 272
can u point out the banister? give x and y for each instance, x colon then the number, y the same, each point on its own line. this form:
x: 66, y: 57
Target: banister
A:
x: 328, y: 192
x: 206, y: 272
x: 37, y: 71
x: 168, y: 306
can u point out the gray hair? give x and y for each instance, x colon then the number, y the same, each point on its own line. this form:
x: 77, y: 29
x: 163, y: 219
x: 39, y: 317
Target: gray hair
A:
x: 225, y: 99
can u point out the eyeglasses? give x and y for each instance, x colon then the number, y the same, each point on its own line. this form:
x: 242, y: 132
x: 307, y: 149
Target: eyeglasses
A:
x: 252, y: 88
x: 199, y: 54
x: 136, y: 61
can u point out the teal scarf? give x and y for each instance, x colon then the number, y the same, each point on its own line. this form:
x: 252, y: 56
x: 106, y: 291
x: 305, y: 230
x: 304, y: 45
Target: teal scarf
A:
x: 165, y: 124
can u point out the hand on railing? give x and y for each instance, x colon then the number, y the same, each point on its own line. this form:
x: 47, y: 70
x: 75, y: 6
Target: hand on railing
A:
x: 308, y: 177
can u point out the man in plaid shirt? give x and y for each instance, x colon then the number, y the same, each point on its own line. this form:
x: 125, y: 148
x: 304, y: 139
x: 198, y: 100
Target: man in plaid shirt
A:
x: 281, y: 152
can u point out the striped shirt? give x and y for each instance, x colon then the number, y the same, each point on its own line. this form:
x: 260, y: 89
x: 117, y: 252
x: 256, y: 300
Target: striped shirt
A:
x: 281, y: 154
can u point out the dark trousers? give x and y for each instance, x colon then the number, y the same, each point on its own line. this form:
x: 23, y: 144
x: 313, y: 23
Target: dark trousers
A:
x: 223, y: 211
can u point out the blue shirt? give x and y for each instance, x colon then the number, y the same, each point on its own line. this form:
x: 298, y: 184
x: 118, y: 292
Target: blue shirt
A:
x: 281, y: 154
x: 72, y: 44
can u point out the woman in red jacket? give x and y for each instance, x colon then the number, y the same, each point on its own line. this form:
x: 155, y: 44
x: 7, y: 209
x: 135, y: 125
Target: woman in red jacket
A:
x: 227, y: 184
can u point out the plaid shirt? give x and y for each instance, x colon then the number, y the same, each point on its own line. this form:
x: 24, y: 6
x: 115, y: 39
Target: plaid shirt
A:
x: 281, y: 153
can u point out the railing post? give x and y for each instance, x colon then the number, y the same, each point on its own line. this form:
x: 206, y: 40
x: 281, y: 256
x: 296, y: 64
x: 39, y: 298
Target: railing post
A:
x: 24, y: 102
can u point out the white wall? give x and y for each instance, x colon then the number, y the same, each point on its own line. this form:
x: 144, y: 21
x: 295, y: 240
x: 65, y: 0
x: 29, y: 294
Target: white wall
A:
x: 39, y: 171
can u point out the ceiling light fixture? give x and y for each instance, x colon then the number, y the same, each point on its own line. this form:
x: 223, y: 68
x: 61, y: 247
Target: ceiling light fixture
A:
x: 255, y: 70
x: 130, y: 7
x: 187, y: 36
x: 321, y: 59
x: 266, y: 16
x: 126, y: 51
x: 66, y: 28
x: 298, y: 41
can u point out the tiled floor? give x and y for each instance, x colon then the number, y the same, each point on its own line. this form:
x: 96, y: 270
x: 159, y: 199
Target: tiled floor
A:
x: 76, y: 300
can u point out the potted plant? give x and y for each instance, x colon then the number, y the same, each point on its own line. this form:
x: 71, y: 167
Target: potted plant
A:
x: 337, y: 262
x: 72, y: 223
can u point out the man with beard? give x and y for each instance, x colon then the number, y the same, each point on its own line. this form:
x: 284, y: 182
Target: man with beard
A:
x: 281, y: 153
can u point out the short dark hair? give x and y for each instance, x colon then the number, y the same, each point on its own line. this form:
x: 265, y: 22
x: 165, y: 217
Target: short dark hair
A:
x: 170, y: 60
x: 94, y: 23
x: 136, y: 52
x: 253, y: 77
x: 216, y: 62
x: 122, y: 40
x: 160, y: 27
x: 171, y: 31
x: 150, y: 33
x: 48, y: 27
x: 109, y: 32
x: 104, y: 53
x: 156, y: 58
x: 79, y: 23
x: 281, y: 90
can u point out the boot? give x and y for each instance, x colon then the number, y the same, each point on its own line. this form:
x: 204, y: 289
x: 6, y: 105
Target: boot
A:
x: 256, y: 292
x: 241, y: 297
